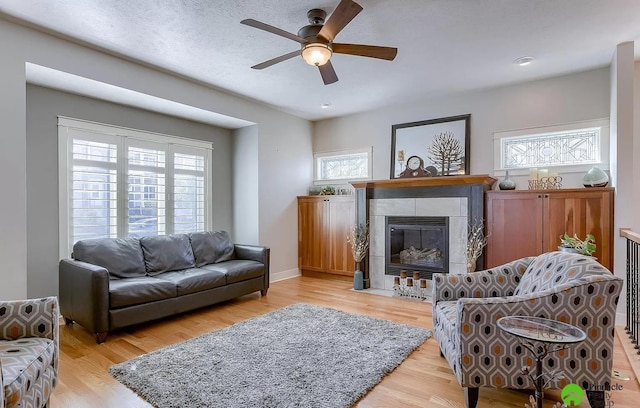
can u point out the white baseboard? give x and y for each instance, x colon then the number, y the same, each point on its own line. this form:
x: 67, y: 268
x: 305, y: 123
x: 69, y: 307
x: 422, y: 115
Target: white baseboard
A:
x: 282, y: 275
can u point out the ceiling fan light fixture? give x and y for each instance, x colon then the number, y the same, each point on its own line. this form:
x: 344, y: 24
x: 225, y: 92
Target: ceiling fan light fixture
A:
x: 316, y: 53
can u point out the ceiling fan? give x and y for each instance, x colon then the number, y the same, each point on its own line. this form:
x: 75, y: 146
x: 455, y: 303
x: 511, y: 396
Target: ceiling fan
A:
x: 316, y: 40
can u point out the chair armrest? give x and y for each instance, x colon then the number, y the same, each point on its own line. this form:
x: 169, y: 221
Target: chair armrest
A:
x: 84, y: 294
x: 499, y: 281
x: 41, y: 314
x: 256, y: 253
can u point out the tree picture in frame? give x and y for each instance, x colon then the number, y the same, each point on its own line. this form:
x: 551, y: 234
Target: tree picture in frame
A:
x: 439, y: 147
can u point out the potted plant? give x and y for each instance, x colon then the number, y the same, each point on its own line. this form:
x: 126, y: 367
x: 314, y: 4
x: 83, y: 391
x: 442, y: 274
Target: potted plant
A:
x: 577, y: 245
x: 476, y: 241
x: 358, y: 238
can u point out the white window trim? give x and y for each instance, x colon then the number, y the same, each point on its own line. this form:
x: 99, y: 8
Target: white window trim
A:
x: 119, y: 134
x: 318, y: 155
x: 603, y: 164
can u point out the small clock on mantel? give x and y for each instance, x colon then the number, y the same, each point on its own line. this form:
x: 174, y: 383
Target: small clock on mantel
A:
x: 415, y: 168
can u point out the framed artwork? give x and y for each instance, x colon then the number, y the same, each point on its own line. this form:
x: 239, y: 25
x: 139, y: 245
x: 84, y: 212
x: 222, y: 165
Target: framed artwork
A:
x: 436, y: 147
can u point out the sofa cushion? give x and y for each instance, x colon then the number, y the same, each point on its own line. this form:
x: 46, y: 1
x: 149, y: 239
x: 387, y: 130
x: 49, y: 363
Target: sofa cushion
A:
x: 238, y: 269
x: 211, y: 247
x: 167, y: 253
x: 24, y: 362
x: 122, y: 257
x: 135, y: 291
x: 193, y: 280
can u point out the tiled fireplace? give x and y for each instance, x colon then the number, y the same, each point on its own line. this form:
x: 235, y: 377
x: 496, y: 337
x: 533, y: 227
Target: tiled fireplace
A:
x: 418, y: 224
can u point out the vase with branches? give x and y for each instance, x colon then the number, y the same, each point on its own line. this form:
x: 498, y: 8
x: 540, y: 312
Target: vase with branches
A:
x: 358, y: 238
x: 476, y: 241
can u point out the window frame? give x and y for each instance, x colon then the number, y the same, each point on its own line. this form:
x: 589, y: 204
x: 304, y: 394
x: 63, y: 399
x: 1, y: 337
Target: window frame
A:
x: 603, y: 124
x: 70, y: 128
x: 336, y: 153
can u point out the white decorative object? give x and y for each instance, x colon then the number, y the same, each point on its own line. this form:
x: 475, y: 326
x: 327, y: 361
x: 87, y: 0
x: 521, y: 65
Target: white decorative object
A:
x: 595, y: 177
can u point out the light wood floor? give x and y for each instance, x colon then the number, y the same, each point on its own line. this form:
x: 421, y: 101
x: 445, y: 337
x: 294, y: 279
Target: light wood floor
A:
x: 424, y: 379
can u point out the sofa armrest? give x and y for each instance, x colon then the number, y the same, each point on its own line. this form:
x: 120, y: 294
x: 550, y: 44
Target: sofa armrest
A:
x: 84, y: 294
x: 256, y: 253
x: 499, y: 281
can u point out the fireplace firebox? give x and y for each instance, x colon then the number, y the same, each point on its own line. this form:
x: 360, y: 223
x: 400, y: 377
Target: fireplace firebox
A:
x: 417, y: 244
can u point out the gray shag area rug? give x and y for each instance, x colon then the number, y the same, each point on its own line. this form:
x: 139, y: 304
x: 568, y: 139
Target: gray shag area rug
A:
x: 298, y: 356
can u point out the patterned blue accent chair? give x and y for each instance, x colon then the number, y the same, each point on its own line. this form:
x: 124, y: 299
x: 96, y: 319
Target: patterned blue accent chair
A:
x: 29, y: 352
x: 567, y: 287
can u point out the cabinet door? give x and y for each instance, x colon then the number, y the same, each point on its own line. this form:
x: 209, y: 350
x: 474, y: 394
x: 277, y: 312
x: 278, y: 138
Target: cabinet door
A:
x: 341, y: 218
x: 312, y: 222
x: 580, y: 212
x: 514, y: 226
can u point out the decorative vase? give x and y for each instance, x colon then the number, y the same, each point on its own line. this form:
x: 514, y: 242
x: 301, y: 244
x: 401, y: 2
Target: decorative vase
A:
x: 358, y: 282
x: 507, y: 183
x: 471, y: 267
x: 595, y: 177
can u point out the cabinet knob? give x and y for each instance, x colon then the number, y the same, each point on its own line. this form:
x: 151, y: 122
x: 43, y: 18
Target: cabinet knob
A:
x: 546, y: 196
x: 539, y: 195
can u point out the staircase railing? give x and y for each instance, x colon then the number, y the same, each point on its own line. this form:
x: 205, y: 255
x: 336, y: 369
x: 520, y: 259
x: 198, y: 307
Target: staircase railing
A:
x: 633, y: 269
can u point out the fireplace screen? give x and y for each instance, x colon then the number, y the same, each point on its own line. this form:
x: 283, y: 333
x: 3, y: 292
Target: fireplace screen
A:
x: 417, y: 244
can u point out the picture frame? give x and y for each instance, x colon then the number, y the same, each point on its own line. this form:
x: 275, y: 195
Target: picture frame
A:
x: 442, y: 145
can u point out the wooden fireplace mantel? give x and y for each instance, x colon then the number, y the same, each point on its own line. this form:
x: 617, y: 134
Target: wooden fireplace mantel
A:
x: 427, y: 181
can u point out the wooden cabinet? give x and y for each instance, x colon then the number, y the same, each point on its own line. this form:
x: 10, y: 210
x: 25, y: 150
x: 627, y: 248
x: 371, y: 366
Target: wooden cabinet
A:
x: 323, y: 225
x: 530, y: 222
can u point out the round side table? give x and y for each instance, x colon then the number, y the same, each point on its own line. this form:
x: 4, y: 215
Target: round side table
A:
x: 542, y: 337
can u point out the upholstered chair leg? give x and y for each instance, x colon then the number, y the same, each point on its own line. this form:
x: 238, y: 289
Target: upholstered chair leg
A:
x: 441, y: 354
x: 471, y: 397
x: 596, y: 399
x: 101, y: 337
x: 263, y: 292
x: 68, y: 321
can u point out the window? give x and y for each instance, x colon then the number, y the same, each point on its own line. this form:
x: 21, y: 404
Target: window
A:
x: 574, y: 146
x: 117, y: 182
x: 343, y: 165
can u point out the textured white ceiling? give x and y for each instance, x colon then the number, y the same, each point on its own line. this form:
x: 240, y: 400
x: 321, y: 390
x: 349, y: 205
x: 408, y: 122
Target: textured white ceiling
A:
x: 444, y: 46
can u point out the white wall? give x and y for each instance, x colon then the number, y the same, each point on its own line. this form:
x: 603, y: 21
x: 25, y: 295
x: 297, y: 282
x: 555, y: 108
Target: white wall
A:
x: 564, y: 99
x: 622, y: 163
x: 284, y: 145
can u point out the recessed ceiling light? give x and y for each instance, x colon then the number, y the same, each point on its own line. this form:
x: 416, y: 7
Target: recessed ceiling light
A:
x: 522, y: 61
x: 325, y: 106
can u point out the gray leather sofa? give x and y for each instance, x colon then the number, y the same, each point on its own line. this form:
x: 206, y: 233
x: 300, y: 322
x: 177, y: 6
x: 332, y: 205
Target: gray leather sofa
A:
x: 116, y: 282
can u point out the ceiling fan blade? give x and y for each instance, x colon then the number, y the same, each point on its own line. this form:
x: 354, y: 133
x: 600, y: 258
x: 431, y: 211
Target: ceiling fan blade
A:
x: 273, y: 30
x: 371, y: 51
x: 275, y: 60
x: 329, y: 75
x: 341, y: 16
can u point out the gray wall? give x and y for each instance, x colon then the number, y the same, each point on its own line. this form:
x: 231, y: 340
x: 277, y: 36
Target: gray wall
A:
x: 43, y: 107
x: 245, y: 185
x: 563, y: 99
x: 284, y: 141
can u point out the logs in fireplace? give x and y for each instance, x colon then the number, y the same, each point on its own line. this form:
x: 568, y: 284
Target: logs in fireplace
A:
x: 417, y: 244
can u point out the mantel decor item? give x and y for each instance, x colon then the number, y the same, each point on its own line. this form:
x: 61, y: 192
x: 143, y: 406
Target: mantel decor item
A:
x: 595, y: 177
x: 435, y: 147
x: 358, y: 238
